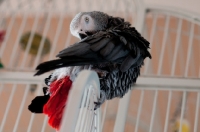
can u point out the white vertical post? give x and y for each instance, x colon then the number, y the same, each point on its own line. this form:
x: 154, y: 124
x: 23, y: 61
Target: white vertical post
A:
x: 30, y: 40
x: 104, y: 114
x: 72, y: 111
x: 58, y: 31
x: 196, y: 113
x: 152, y: 34
x: 139, y: 111
x: 182, y: 110
x: 81, y: 112
x: 42, y: 42
x: 189, y: 49
x: 33, y: 115
x: 8, y: 107
x: 44, y: 124
x: 21, y: 107
x: 84, y: 121
x: 160, y: 63
x: 16, y: 44
x: 121, y: 113
x: 44, y: 33
x: 168, y: 108
x: 177, y: 43
x: 98, y: 119
x: 153, y: 111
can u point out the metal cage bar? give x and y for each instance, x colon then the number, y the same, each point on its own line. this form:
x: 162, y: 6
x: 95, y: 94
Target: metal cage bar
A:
x: 72, y: 111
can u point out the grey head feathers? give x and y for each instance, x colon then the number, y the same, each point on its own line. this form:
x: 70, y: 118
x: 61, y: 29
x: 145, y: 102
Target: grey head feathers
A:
x: 101, y: 19
x: 85, y: 22
x: 74, y: 24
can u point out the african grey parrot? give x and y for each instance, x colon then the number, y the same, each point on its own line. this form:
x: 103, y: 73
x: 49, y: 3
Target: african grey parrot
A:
x: 109, y: 46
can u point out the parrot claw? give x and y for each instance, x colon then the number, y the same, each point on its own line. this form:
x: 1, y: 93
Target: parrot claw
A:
x: 101, y: 100
x: 97, y: 105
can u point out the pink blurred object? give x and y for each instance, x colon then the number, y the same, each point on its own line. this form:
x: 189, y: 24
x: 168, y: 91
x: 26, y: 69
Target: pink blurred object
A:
x: 2, y: 34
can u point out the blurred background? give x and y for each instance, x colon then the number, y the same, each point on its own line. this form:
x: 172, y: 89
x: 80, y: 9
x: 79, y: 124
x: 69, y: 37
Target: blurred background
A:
x: 167, y: 93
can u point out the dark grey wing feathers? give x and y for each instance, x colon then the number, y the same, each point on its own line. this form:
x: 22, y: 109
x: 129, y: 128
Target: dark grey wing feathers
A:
x: 130, y: 61
x: 103, y: 47
x: 76, y: 49
x: 99, y: 45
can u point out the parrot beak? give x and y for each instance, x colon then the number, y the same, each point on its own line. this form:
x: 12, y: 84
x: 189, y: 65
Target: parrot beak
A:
x: 82, y: 36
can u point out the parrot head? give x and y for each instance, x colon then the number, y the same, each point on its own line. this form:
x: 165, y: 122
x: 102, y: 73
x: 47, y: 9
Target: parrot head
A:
x: 88, y: 23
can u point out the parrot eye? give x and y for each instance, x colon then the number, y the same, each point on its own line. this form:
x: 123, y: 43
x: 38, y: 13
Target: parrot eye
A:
x: 86, y: 19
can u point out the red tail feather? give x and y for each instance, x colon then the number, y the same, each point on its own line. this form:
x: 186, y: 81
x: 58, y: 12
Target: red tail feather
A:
x: 54, y: 107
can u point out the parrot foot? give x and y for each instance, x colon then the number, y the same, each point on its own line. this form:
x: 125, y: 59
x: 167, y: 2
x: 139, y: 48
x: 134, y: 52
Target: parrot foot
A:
x: 101, y: 100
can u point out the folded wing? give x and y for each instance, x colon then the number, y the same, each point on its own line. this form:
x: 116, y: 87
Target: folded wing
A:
x: 126, y: 47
